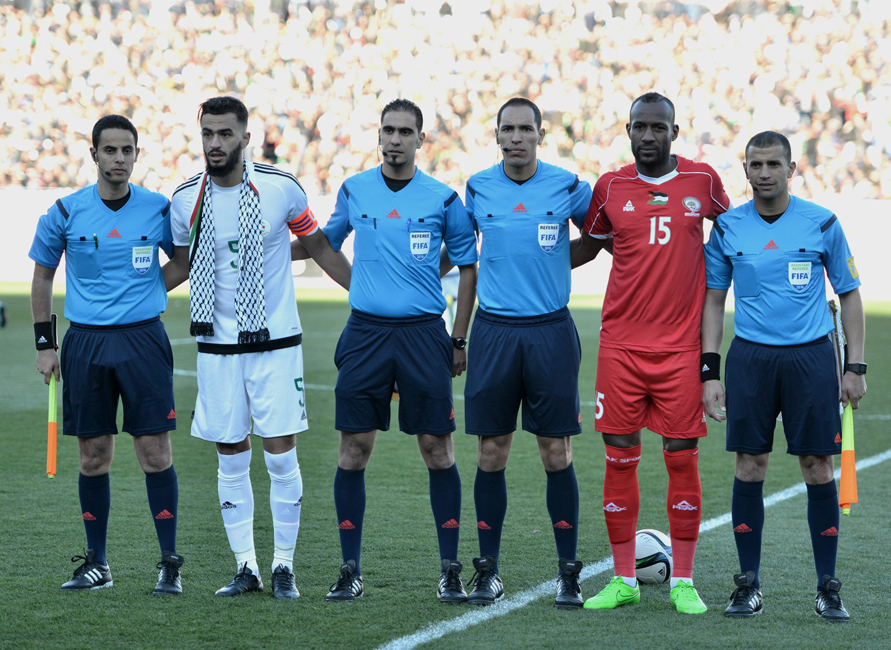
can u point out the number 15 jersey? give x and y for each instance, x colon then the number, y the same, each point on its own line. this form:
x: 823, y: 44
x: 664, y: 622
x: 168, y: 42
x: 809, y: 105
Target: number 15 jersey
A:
x: 657, y: 283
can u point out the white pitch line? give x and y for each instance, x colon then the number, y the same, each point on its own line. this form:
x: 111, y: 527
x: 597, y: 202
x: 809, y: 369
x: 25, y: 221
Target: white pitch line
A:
x: 507, y: 605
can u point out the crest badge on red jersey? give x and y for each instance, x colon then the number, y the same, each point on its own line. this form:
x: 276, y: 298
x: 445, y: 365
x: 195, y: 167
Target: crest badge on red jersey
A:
x: 693, y: 206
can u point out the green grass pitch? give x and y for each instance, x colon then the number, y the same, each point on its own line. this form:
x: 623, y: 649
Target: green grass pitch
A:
x: 41, y: 530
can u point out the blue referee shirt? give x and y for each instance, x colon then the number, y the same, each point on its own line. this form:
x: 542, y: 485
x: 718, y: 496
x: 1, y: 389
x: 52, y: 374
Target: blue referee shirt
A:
x: 398, y: 237
x: 777, y: 270
x: 524, y: 267
x: 112, y: 270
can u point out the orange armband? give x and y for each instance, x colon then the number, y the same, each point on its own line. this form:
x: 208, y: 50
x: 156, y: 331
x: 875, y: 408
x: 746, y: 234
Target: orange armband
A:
x: 303, y: 225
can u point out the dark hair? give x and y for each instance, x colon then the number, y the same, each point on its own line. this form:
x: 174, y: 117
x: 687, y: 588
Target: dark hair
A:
x: 767, y: 139
x: 654, y: 98
x: 405, y: 106
x: 113, y: 122
x: 223, y: 106
x: 520, y: 101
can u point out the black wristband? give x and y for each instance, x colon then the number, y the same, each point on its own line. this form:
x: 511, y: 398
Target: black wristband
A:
x: 710, y: 366
x: 43, y: 336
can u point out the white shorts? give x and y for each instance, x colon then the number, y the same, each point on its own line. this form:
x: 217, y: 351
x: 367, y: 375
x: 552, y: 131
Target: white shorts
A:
x: 234, y: 389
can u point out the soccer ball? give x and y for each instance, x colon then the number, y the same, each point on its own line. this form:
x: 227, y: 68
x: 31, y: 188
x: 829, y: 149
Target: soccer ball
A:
x: 653, y: 557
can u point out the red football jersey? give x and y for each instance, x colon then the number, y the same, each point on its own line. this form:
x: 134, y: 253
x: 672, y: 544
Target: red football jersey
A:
x: 657, y: 283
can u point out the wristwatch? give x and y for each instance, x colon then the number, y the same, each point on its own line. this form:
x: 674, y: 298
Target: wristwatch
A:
x: 460, y: 343
x: 856, y: 368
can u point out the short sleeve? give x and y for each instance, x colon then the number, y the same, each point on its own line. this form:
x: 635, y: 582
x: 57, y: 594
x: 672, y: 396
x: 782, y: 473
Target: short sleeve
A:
x: 469, y: 195
x: 301, y: 221
x: 460, y: 237
x: 719, y: 194
x: 580, y: 195
x: 166, y: 242
x: 49, y: 239
x: 338, y: 227
x: 718, y: 269
x: 180, y: 213
x: 596, y: 222
x: 838, y: 259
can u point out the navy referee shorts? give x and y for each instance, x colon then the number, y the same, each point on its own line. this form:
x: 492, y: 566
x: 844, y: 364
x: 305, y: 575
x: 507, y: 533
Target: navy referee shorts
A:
x: 375, y: 355
x: 799, y: 381
x: 533, y: 361
x: 100, y: 365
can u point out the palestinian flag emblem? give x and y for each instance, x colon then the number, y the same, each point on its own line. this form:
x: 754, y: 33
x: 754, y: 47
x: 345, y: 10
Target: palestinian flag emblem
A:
x: 658, y: 198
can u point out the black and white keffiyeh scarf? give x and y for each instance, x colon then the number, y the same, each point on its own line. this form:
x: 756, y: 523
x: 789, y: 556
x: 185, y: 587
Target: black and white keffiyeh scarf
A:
x: 250, y: 299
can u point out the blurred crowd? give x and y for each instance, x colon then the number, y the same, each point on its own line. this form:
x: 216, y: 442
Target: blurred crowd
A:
x: 316, y: 75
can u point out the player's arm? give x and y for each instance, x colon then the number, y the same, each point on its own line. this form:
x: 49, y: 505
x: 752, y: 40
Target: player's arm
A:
x: 853, y: 385
x: 712, y: 333
x: 585, y: 248
x: 467, y: 274
x: 41, y: 311
x: 176, y: 270
x: 332, y: 262
x: 445, y: 264
x: 298, y: 251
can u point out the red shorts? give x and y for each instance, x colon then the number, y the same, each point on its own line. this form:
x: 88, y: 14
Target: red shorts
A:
x: 660, y: 391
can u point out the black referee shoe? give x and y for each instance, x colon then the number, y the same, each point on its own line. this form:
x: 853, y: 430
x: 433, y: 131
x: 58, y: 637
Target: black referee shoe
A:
x: 89, y: 575
x: 745, y: 601
x: 569, y: 593
x: 828, y: 604
x: 243, y: 582
x: 349, y: 585
x: 450, y: 588
x: 487, y: 583
x: 169, y: 580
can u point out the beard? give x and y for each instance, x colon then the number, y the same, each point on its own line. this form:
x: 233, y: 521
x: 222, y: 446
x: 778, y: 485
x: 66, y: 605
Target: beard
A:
x: 226, y: 167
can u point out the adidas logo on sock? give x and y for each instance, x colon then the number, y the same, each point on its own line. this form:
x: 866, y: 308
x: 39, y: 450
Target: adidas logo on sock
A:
x: 562, y: 525
x: 482, y: 525
x: 451, y: 523
x: 742, y: 528
x: 346, y: 524
x: 830, y: 532
x: 228, y: 505
x: 164, y: 514
x: 89, y: 517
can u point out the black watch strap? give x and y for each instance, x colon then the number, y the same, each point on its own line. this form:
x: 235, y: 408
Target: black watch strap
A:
x: 856, y: 368
x: 459, y: 342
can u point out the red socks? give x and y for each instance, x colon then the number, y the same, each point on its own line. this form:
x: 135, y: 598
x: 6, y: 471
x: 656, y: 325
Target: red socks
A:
x: 684, y: 506
x: 621, y: 505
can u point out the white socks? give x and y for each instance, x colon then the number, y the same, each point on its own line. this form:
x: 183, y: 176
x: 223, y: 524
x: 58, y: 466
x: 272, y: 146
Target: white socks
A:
x: 237, y: 506
x: 285, y: 496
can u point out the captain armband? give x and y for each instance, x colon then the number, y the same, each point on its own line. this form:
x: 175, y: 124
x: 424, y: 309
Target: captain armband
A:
x: 303, y: 225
